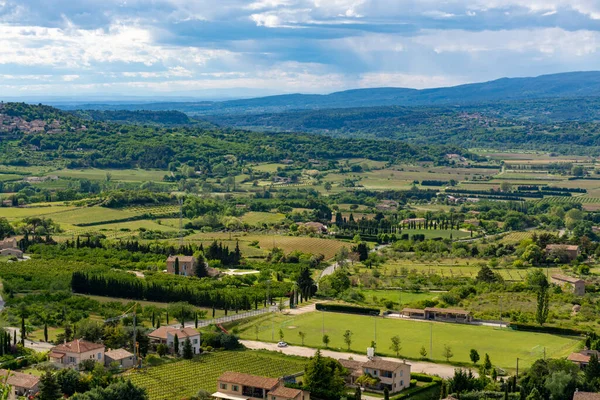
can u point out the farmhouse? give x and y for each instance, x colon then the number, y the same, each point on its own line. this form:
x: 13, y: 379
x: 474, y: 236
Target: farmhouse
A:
x: 582, y: 358
x: 11, y: 253
x: 314, y: 227
x: 71, y: 354
x: 571, y: 251
x: 120, y: 356
x: 185, y: 265
x: 22, y: 385
x: 166, y: 335
x: 387, y: 205
x: 392, y: 375
x: 8, y: 243
x: 585, y: 395
x: 238, y: 386
x: 438, y: 314
x: 576, y: 285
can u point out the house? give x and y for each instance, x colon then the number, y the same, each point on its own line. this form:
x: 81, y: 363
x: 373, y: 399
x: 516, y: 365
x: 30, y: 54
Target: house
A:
x: 392, y: 375
x: 22, y: 385
x: 354, y: 370
x: 7, y: 203
x: 387, y: 205
x: 166, y: 335
x: 585, y: 395
x: 413, y: 221
x: 11, y: 253
x: 8, y: 243
x: 314, y: 227
x: 124, y: 358
x: 571, y: 251
x: 238, y: 386
x: 73, y: 353
x: 576, y: 285
x: 187, y: 265
x: 582, y: 358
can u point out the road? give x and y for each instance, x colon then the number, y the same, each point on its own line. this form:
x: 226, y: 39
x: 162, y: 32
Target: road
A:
x: 445, y: 371
x: 30, y: 344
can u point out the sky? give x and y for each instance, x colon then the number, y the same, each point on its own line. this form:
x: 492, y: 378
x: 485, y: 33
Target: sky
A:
x: 237, y: 48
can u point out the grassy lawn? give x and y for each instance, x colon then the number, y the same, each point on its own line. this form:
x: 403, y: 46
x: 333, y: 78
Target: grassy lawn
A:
x: 126, y: 175
x: 396, y: 296
x: 503, y: 346
x: 13, y: 213
x: 258, y: 218
x: 184, y: 378
x: 38, y: 336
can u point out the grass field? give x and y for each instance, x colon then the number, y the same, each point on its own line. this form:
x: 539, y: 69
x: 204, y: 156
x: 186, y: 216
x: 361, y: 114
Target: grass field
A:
x: 396, y: 296
x: 184, y: 378
x: 256, y: 218
x: 125, y: 175
x: 503, y: 346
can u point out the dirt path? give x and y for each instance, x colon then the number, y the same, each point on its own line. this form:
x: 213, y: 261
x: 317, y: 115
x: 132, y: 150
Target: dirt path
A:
x: 445, y: 371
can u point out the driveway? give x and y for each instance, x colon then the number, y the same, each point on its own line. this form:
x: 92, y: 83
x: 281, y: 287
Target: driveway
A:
x: 443, y: 370
x: 30, y: 344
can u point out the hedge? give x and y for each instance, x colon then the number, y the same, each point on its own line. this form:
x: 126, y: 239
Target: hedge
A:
x: 424, y: 377
x: 347, y: 309
x: 406, y: 393
x: 546, y: 329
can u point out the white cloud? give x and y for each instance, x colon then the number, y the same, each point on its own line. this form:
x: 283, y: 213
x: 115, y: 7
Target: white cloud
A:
x: 386, y: 79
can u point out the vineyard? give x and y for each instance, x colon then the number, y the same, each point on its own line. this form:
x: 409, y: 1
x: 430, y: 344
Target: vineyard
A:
x: 576, y: 199
x: 184, y: 378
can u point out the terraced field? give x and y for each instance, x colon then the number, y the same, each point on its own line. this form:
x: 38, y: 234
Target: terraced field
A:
x: 184, y: 378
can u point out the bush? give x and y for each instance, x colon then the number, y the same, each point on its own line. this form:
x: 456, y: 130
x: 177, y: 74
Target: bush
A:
x: 347, y: 309
x: 413, y: 382
x: 422, y: 377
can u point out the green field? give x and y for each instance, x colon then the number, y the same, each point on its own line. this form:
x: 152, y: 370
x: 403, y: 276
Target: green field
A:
x: 184, y: 378
x: 125, y: 175
x: 503, y: 346
x: 396, y: 296
x: 256, y: 218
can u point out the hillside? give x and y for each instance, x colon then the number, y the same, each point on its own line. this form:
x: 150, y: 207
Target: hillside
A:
x: 564, y: 85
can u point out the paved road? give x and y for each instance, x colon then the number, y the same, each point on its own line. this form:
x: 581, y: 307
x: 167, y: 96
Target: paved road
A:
x: 445, y: 371
x: 30, y: 344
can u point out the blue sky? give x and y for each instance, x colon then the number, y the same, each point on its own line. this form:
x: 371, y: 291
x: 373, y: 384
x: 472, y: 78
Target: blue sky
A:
x: 217, y: 48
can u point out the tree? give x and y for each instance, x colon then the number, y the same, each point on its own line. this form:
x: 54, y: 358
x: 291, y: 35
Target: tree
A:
x: 176, y: 267
x: 162, y: 349
x: 474, y: 355
x: 423, y: 352
x: 176, y: 344
x: 535, y: 395
x: 447, y: 353
x: 396, y: 345
x: 68, y: 380
x: 324, y: 377
x: 386, y: 393
x: 357, y: 393
x: 188, y: 351
x: 348, y: 338
x: 366, y: 380
x: 543, y: 305
x: 486, y: 275
x: 326, y: 340
x: 487, y: 363
x: 49, y: 387
x: 114, y: 391
x: 557, y: 384
x: 281, y: 335
x: 302, y: 336
x: 23, y: 330
x: 592, y: 371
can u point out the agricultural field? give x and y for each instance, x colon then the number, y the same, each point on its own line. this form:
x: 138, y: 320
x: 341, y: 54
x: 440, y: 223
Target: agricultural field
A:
x: 255, y: 218
x: 503, y: 345
x: 184, y: 378
x: 397, y: 296
x: 122, y: 175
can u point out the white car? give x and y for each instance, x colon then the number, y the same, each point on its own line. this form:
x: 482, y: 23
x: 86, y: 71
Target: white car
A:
x: 282, y: 344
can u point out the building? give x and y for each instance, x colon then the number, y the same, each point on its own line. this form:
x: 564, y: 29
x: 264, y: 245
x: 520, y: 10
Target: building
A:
x: 313, y: 227
x: 576, y: 285
x: 582, y: 358
x: 438, y: 314
x: 187, y: 265
x: 585, y: 395
x: 571, y: 251
x: 73, y: 353
x: 11, y: 253
x: 122, y: 357
x: 8, y: 243
x: 238, y: 386
x: 392, y: 375
x: 166, y: 335
x: 22, y: 385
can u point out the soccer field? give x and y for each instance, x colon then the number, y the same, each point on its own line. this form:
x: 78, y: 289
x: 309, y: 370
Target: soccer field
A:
x: 503, y: 345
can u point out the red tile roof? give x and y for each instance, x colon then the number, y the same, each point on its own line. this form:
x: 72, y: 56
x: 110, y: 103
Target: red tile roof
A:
x: 249, y: 380
x: 286, y: 393
x: 565, y: 278
x: 18, y: 379
x: 586, y: 396
x: 182, y: 333
x: 181, y: 258
x: 118, y: 354
x: 77, y: 346
x: 382, y: 365
x: 578, y: 357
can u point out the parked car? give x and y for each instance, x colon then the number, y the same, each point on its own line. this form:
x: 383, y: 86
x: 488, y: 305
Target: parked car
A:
x: 282, y: 344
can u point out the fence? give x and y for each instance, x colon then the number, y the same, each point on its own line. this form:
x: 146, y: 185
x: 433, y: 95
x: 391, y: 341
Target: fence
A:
x: 234, y: 317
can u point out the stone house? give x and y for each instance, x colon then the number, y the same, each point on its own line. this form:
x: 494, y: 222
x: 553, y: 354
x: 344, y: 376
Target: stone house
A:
x: 73, y: 353
x: 187, y: 265
x: 239, y: 386
x: 166, y: 335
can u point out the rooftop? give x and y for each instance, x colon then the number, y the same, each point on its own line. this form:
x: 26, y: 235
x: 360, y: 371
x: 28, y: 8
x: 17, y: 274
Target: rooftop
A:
x: 378, y: 363
x: 181, y: 258
x: 118, y: 354
x: 19, y: 379
x: 351, y: 364
x: 77, y: 346
x: 562, y: 246
x: 286, y: 393
x: 565, y: 278
x: 578, y: 357
x: 249, y: 380
x: 447, y: 310
x: 586, y: 396
x: 161, y: 333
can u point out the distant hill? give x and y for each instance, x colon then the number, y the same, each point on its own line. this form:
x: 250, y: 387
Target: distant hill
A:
x: 136, y: 117
x: 564, y: 85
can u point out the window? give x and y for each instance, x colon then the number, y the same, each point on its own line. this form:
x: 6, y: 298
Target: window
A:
x: 223, y: 386
x: 72, y: 360
x: 235, y: 388
x: 386, y: 374
x: 401, y: 373
x: 195, y: 341
x: 401, y: 383
x: 99, y: 356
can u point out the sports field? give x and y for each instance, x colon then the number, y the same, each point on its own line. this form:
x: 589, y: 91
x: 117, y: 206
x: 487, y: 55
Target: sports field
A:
x: 503, y: 345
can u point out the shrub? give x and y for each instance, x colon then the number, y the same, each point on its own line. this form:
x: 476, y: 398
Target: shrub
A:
x: 347, y: 309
